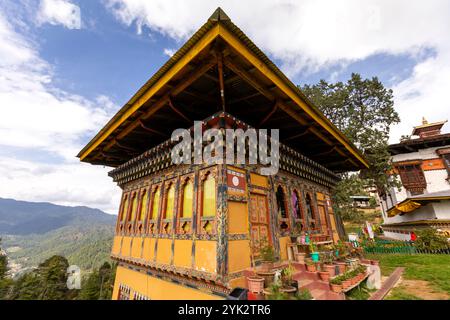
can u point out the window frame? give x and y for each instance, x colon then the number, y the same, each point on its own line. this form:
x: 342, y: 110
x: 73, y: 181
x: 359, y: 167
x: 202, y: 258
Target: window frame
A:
x: 280, y: 219
x: 152, y: 222
x: 181, y: 221
x: 202, y: 220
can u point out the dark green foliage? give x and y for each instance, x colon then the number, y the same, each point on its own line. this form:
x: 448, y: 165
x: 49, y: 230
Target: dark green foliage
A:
x: 363, y: 109
x: 47, y: 282
x: 343, y: 204
x: 99, y: 284
x: 430, y: 239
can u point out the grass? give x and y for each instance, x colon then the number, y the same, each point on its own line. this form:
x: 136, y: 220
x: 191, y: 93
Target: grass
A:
x: 400, y: 293
x: 432, y: 268
x: 360, y: 292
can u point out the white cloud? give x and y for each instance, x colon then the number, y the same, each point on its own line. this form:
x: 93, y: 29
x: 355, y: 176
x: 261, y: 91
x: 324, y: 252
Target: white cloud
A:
x: 312, y: 35
x: 39, y: 119
x: 59, y: 12
x: 169, y: 52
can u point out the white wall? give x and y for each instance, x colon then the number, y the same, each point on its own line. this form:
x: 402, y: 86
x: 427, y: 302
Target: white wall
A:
x: 442, y: 210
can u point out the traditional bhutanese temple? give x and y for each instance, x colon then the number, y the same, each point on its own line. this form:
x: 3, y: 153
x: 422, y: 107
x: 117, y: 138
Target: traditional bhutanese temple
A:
x: 190, y: 231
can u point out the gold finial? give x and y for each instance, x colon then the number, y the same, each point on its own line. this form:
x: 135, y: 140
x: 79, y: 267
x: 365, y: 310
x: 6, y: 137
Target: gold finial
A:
x: 424, y: 121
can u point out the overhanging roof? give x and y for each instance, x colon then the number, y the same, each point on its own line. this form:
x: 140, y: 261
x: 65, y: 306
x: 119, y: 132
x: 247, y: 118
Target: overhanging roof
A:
x: 220, y: 67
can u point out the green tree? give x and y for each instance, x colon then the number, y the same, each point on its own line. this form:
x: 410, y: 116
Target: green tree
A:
x: 5, y: 281
x: 98, y: 285
x: 342, y: 203
x: 47, y: 282
x: 363, y: 109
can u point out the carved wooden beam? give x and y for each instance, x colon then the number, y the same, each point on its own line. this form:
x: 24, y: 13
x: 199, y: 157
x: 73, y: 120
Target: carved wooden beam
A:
x: 221, y: 82
x: 274, y: 108
x: 143, y: 126
x: 181, y: 114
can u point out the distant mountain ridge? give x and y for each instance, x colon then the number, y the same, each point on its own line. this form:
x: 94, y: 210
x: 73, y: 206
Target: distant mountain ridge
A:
x: 34, y: 231
x: 25, y: 218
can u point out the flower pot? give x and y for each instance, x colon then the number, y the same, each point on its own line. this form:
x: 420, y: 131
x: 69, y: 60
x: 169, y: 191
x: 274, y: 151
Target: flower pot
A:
x: 315, y: 256
x: 346, y: 283
x: 300, y: 257
x: 311, y: 267
x: 331, y: 269
x: 324, y: 275
x: 354, y: 280
x: 268, y: 277
x: 342, y: 267
x: 289, y: 290
x: 255, y: 284
x: 293, y: 239
x: 336, y: 288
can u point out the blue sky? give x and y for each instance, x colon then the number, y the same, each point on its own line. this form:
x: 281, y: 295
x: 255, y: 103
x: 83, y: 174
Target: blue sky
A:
x: 68, y: 65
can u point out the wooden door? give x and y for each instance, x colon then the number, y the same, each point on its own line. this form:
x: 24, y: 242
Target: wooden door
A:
x: 259, y: 222
x: 323, y: 219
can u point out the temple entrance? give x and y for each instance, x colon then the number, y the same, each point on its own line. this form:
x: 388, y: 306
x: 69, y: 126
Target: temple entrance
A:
x: 259, y: 222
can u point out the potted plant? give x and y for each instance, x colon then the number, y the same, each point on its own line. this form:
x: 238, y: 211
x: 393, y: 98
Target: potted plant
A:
x: 274, y: 292
x: 287, y: 277
x: 303, y: 294
x: 255, y: 284
x: 267, y: 255
x: 300, y: 257
x: 336, y: 284
x: 313, y: 252
x: 328, y: 265
x: 310, y: 266
x: 346, y: 282
x: 324, y: 275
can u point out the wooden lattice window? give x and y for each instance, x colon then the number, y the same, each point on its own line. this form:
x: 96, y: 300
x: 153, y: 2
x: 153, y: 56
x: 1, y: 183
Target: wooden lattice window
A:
x: 283, y: 216
x: 413, y: 178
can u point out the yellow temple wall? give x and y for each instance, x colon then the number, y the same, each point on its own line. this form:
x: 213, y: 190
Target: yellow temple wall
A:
x: 155, y: 288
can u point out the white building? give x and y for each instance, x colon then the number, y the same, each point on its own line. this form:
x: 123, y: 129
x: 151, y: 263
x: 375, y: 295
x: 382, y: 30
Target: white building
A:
x: 423, y: 165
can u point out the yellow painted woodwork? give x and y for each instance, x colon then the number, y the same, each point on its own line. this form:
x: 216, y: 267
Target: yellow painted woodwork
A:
x: 320, y: 196
x: 237, y: 217
x: 205, y: 256
x: 124, y: 209
x: 144, y: 206
x: 164, y: 251
x: 259, y: 180
x: 183, y: 253
x: 148, y: 252
x: 126, y: 247
x: 157, y: 289
x: 283, y: 247
x: 134, y: 207
x: 170, y: 206
x: 188, y: 200
x: 116, y: 245
x: 238, y: 255
x: 136, y: 247
x: 209, y: 197
x: 155, y: 204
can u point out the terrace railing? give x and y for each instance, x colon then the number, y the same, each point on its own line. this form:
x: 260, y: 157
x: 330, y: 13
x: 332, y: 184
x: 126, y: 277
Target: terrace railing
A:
x: 396, y: 247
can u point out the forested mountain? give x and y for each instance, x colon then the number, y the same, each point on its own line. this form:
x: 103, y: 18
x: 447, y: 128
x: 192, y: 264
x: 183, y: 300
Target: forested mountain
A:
x: 33, y: 232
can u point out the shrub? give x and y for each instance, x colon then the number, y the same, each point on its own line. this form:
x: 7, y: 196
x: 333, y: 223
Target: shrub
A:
x: 430, y: 239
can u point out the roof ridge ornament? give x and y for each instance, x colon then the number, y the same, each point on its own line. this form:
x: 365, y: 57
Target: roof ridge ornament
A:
x: 219, y: 15
x: 424, y: 121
